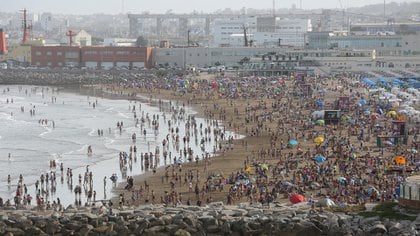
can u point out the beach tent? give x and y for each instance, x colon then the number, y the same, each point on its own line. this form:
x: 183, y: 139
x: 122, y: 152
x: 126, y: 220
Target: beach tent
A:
x: 297, y: 198
x: 397, y: 82
x: 319, y: 140
x: 399, y: 160
x: 368, y: 82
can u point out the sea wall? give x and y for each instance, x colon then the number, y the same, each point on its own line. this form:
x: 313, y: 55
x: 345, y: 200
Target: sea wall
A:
x: 213, y: 219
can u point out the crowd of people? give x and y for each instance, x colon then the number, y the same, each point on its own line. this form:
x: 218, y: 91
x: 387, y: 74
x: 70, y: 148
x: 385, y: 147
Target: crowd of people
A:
x: 280, y: 156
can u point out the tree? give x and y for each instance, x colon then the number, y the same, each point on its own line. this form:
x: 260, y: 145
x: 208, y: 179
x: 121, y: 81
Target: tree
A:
x: 141, y: 42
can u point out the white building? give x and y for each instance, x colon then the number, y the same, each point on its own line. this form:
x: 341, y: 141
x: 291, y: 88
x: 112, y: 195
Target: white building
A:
x: 292, y: 31
x: 261, y: 31
x: 223, y: 29
x: 82, y: 38
x: 119, y: 42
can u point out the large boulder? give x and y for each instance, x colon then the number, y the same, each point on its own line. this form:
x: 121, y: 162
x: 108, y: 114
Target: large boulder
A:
x: 378, y: 229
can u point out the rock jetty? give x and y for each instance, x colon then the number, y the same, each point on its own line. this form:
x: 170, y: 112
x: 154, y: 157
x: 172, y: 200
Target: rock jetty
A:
x: 213, y: 219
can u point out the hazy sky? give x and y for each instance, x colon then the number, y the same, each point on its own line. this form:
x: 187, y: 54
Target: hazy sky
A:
x: 161, y: 6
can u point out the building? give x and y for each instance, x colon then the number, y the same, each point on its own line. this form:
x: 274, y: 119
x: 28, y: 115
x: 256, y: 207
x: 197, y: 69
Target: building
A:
x: 323, y: 61
x: 261, y: 31
x: 205, y: 57
x: 46, y: 22
x: 91, y: 57
x: 292, y: 31
x: 223, y: 29
x: 328, y: 40
x: 120, y: 42
x: 82, y: 38
x: 410, y: 192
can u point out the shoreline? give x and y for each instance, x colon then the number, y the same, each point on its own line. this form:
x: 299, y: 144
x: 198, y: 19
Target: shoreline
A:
x: 270, y: 120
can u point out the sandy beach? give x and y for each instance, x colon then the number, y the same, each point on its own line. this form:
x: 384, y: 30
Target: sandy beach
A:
x: 266, y: 157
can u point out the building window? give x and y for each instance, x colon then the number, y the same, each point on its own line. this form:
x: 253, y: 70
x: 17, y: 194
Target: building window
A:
x: 49, y: 53
x: 38, y: 53
x: 59, y: 53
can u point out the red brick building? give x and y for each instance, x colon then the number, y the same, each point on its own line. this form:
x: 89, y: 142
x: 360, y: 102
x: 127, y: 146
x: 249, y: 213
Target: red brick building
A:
x: 91, y: 57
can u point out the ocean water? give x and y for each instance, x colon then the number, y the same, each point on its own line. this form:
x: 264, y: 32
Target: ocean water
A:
x: 27, y: 145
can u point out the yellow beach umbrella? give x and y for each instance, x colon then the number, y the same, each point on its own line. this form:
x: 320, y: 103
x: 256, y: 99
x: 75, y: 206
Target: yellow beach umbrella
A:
x: 319, y: 140
x: 391, y: 113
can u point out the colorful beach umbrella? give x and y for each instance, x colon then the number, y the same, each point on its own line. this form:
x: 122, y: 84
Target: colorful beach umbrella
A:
x: 400, y: 160
x: 319, y: 140
x: 320, y: 122
x: 375, y: 116
x: 320, y: 158
x: 391, y: 114
x: 293, y: 142
x: 297, y: 198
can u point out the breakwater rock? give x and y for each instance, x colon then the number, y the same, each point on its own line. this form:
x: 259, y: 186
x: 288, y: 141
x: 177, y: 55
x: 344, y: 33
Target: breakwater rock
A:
x: 213, y: 219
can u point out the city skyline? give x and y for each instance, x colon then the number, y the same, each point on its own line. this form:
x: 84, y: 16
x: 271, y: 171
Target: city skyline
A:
x: 82, y: 7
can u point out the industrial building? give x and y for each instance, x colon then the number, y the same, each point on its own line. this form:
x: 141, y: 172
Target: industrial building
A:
x: 91, y: 57
x: 260, y: 31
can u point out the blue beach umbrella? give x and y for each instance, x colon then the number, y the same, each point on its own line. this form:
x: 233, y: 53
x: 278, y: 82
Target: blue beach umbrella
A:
x: 293, y: 142
x: 320, y: 158
x: 362, y: 102
x: 319, y: 103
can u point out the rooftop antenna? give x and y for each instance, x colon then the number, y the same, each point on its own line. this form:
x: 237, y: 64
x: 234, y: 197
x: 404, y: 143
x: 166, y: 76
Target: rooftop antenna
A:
x: 25, y: 26
x: 122, y: 6
x: 274, y: 7
x: 384, y: 10
x: 70, y: 34
x: 300, y: 4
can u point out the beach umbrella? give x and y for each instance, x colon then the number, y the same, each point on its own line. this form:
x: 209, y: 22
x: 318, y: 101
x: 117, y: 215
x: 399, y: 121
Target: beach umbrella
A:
x: 413, y: 150
x: 391, y: 114
x: 319, y: 140
x: 293, y: 142
x: 326, y: 202
x: 264, y: 166
x: 297, y: 198
x: 319, y: 103
x: 362, y: 102
x: 248, y: 169
x: 320, y: 158
x: 320, y: 122
x: 345, y: 118
x: 367, y: 112
x: 399, y: 160
x: 341, y: 179
x: 375, y: 116
x: 315, y: 185
x: 388, y: 142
